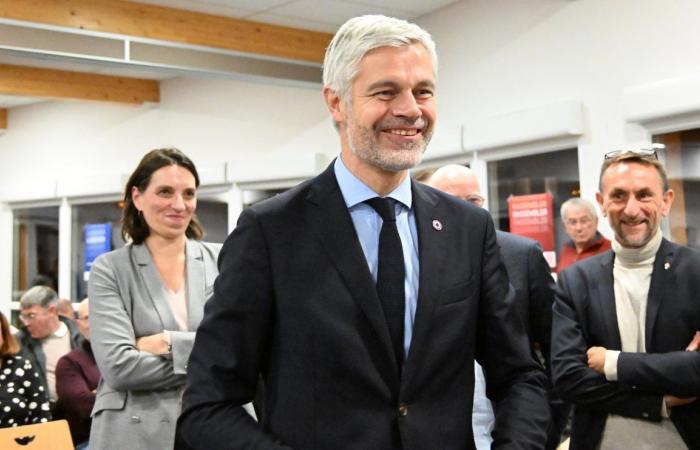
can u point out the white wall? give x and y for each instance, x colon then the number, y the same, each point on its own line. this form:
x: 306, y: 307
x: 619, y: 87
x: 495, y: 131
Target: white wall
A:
x: 496, y: 57
x: 213, y: 121
x: 87, y: 148
x: 500, y: 56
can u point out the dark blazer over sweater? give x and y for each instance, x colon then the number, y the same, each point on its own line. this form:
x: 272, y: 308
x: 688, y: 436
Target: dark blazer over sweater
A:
x: 77, y: 377
x: 295, y: 304
x: 585, y: 316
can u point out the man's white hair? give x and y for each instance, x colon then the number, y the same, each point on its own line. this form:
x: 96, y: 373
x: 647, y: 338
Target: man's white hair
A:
x: 358, y: 36
x: 577, y: 202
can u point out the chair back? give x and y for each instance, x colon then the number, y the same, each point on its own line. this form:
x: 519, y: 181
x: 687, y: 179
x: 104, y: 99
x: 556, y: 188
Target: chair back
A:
x: 41, y: 436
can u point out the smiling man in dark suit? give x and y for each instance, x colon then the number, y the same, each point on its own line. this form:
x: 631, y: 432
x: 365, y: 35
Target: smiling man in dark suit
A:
x: 360, y: 298
x: 622, y: 321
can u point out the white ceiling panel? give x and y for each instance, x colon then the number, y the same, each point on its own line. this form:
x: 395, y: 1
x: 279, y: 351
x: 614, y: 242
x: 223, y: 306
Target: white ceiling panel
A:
x: 294, y: 22
x: 253, y: 5
x: 417, y: 7
x: 316, y: 12
x: 228, y: 10
x: 332, y: 11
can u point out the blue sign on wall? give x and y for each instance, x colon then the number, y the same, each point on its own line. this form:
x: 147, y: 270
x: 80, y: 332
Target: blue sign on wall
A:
x: 98, y: 240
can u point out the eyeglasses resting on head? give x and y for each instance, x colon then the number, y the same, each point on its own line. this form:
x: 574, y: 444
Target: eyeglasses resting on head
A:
x: 641, y: 152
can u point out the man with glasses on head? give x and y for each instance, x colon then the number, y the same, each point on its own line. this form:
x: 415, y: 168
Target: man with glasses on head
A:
x: 45, y: 336
x: 529, y: 274
x: 623, y: 321
x: 581, y: 223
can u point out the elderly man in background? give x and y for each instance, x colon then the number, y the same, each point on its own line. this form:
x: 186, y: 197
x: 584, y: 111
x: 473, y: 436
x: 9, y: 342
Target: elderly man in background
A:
x: 64, y: 307
x: 45, y: 336
x: 529, y: 274
x: 623, y: 320
x: 581, y: 223
x: 77, y: 376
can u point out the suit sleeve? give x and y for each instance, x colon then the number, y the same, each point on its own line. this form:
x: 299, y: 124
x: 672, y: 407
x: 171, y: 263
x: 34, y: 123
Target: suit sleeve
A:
x: 675, y: 373
x: 230, y: 348
x: 572, y: 377
x: 181, y: 343
x: 121, y: 365
x: 541, y: 290
x: 515, y: 382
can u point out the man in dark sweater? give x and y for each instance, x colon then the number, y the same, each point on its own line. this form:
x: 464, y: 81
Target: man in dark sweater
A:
x: 77, y: 376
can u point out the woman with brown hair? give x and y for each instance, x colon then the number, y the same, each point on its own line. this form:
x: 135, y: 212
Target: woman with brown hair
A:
x: 146, y: 301
x: 23, y: 399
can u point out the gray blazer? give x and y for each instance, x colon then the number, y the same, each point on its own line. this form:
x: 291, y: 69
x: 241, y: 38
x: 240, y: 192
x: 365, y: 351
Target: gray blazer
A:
x: 138, y: 394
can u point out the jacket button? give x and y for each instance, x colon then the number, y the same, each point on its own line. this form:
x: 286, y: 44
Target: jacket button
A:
x: 403, y: 410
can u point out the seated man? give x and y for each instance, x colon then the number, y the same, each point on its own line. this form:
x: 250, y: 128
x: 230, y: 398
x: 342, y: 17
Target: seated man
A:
x: 581, y: 223
x: 45, y: 336
x: 77, y: 376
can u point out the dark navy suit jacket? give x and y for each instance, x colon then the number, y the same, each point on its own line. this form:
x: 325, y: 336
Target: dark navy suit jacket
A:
x: 295, y: 304
x: 585, y: 316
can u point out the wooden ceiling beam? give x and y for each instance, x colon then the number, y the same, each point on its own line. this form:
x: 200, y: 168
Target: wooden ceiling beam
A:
x: 170, y: 24
x: 36, y: 82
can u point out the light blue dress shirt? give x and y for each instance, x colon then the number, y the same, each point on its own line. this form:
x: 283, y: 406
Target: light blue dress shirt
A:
x: 483, y: 419
x: 368, y: 224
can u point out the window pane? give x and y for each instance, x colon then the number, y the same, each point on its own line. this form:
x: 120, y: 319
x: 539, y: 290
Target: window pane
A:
x: 212, y: 215
x: 90, y: 214
x: 35, y: 255
x: 682, y: 160
x: 555, y: 172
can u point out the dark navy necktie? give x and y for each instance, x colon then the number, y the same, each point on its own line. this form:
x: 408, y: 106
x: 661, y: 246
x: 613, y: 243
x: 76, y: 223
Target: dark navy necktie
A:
x: 391, y: 273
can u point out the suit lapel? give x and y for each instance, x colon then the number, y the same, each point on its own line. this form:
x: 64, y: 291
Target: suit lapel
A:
x: 604, y: 291
x: 661, y: 276
x: 328, y: 217
x: 195, y: 279
x: 432, y: 251
x: 154, y: 286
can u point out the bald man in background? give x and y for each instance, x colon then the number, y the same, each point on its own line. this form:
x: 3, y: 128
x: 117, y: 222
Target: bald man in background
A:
x: 529, y: 274
x: 64, y: 307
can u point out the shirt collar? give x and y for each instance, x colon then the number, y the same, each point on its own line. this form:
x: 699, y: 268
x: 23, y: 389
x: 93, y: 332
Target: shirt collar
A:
x: 597, y: 242
x: 355, y: 191
x: 62, y: 330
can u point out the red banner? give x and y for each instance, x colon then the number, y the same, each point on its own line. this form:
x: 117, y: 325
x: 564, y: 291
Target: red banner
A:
x: 532, y: 216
